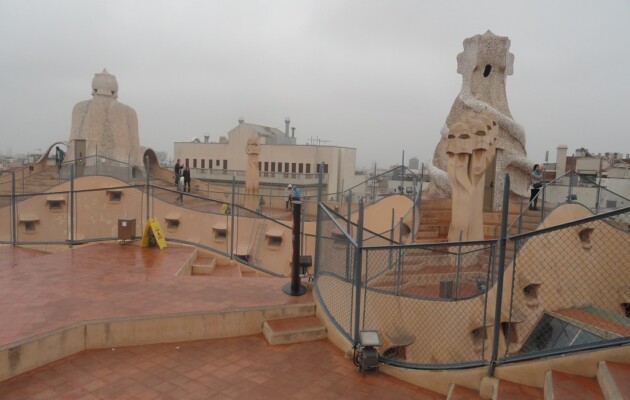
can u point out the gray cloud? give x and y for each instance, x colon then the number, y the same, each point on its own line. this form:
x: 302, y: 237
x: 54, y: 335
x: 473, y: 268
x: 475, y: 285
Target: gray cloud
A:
x: 378, y: 76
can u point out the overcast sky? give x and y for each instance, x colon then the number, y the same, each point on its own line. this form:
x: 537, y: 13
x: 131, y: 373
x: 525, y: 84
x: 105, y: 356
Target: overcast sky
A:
x: 376, y: 75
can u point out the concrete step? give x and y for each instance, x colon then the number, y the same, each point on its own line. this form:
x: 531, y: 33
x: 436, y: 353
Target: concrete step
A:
x: 249, y: 273
x: 204, y: 265
x: 227, y: 271
x: 614, y: 379
x: 513, y: 391
x: 457, y: 392
x: 294, y: 330
x: 563, y: 386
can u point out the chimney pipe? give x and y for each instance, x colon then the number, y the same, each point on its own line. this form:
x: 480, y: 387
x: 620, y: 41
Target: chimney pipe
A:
x: 287, y: 121
x: 206, y: 138
x: 292, y: 132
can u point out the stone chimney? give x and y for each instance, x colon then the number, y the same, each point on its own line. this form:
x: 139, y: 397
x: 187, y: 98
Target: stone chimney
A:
x: 287, y: 122
x: 561, y: 160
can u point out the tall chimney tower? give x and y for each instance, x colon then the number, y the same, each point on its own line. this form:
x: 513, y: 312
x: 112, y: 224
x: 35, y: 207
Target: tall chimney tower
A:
x: 287, y: 122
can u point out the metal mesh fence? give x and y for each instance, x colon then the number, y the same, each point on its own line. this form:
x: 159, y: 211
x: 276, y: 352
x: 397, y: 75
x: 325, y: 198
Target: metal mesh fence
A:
x: 42, y: 218
x: 335, y: 272
x: 402, y: 285
x: 6, y: 214
x: 97, y: 212
x: 570, y: 286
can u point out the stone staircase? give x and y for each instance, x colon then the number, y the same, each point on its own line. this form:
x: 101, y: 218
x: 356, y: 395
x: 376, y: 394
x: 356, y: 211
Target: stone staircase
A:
x: 209, y: 265
x: 294, y: 330
x: 436, y: 219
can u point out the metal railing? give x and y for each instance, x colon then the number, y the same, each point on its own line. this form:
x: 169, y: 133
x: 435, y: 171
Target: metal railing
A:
x: 553, y: 290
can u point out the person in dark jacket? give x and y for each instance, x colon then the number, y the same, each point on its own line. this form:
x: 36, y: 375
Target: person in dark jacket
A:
x: 178, y: 171
x: 187, y: 179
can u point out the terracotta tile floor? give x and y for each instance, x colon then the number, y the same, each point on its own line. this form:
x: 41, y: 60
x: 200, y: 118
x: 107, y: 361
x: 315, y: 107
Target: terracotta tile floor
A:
x: 40, y: 293
x: 235, y: 368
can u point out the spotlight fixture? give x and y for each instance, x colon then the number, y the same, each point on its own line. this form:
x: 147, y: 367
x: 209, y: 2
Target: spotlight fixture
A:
x: 365, y: 353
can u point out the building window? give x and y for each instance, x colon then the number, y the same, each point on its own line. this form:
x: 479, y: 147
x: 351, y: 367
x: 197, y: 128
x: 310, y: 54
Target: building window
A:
x: 301, y: 168
x: 218, y: 163
x: 325, y: 168
x: 203, y: 163
x: 225, y: 164
x: 172, y: 223
x: 286, y: 167
x: 266, y: 166
x: 194, y: 163
x: 29, y: 226
x: 259, y: 166
x: 273, y: 166
x: 187, y: 163
x: 308, y: 168
x: 293, y: 167
x: 54, y: 205
x: 115, y: 196
x: 279, y: 167
x: 210, y: 163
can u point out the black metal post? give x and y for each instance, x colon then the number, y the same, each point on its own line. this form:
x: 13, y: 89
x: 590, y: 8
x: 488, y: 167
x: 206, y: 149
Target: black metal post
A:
x: 497, y: 310
x: 318, y: 227
x: 71, y: 204
x: 13, y: 209
x: 295, y: 288
x: 357, y: 274
x: 232, y: 216
x: 349, y: 230
x: 148, y: 200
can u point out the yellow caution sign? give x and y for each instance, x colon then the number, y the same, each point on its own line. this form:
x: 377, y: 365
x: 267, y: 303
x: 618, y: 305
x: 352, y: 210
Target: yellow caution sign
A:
x: 153, y: 226
x: 225, y: 209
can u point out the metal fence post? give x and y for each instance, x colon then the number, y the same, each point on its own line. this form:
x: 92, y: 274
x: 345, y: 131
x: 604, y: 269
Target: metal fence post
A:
x: 570, y: 199
x: 148, y: 201
x: 318, y: 226
x: 499, y: 291
x: 72, y: 204
x: 399, y: 274
x: 459, y: 265
x: 542, y: 207
x: 13, y: 209
x: 349, y: 229
x: 357, y: 273
x: 391, y: 241
x: 232, y: 217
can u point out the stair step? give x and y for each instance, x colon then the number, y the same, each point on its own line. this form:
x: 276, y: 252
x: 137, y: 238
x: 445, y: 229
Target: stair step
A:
x: 204, y: 265
x: 294, y: 330
x: 561, y: 386
x: 249, y: 273
x: 514, y: 391
x: 614, y: 379
x: 458, y: 392
x: 227, y: 271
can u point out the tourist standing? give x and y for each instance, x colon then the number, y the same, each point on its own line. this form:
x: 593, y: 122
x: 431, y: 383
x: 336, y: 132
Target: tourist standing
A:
x: 59, y: 156
x: 178, y: 170
x: 537, y: 182
x: 187, y: 178
x: 180, y: 190
x: 288, y: 193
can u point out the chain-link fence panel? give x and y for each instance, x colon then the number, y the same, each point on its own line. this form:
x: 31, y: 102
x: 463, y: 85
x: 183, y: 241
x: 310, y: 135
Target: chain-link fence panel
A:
x: 334, y: 276
x: 98, y: 212
x: 409, y: 298
x: 192, y: 219
x: 42, y: 218
x: 569, y: 285
x: 6, y: 219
